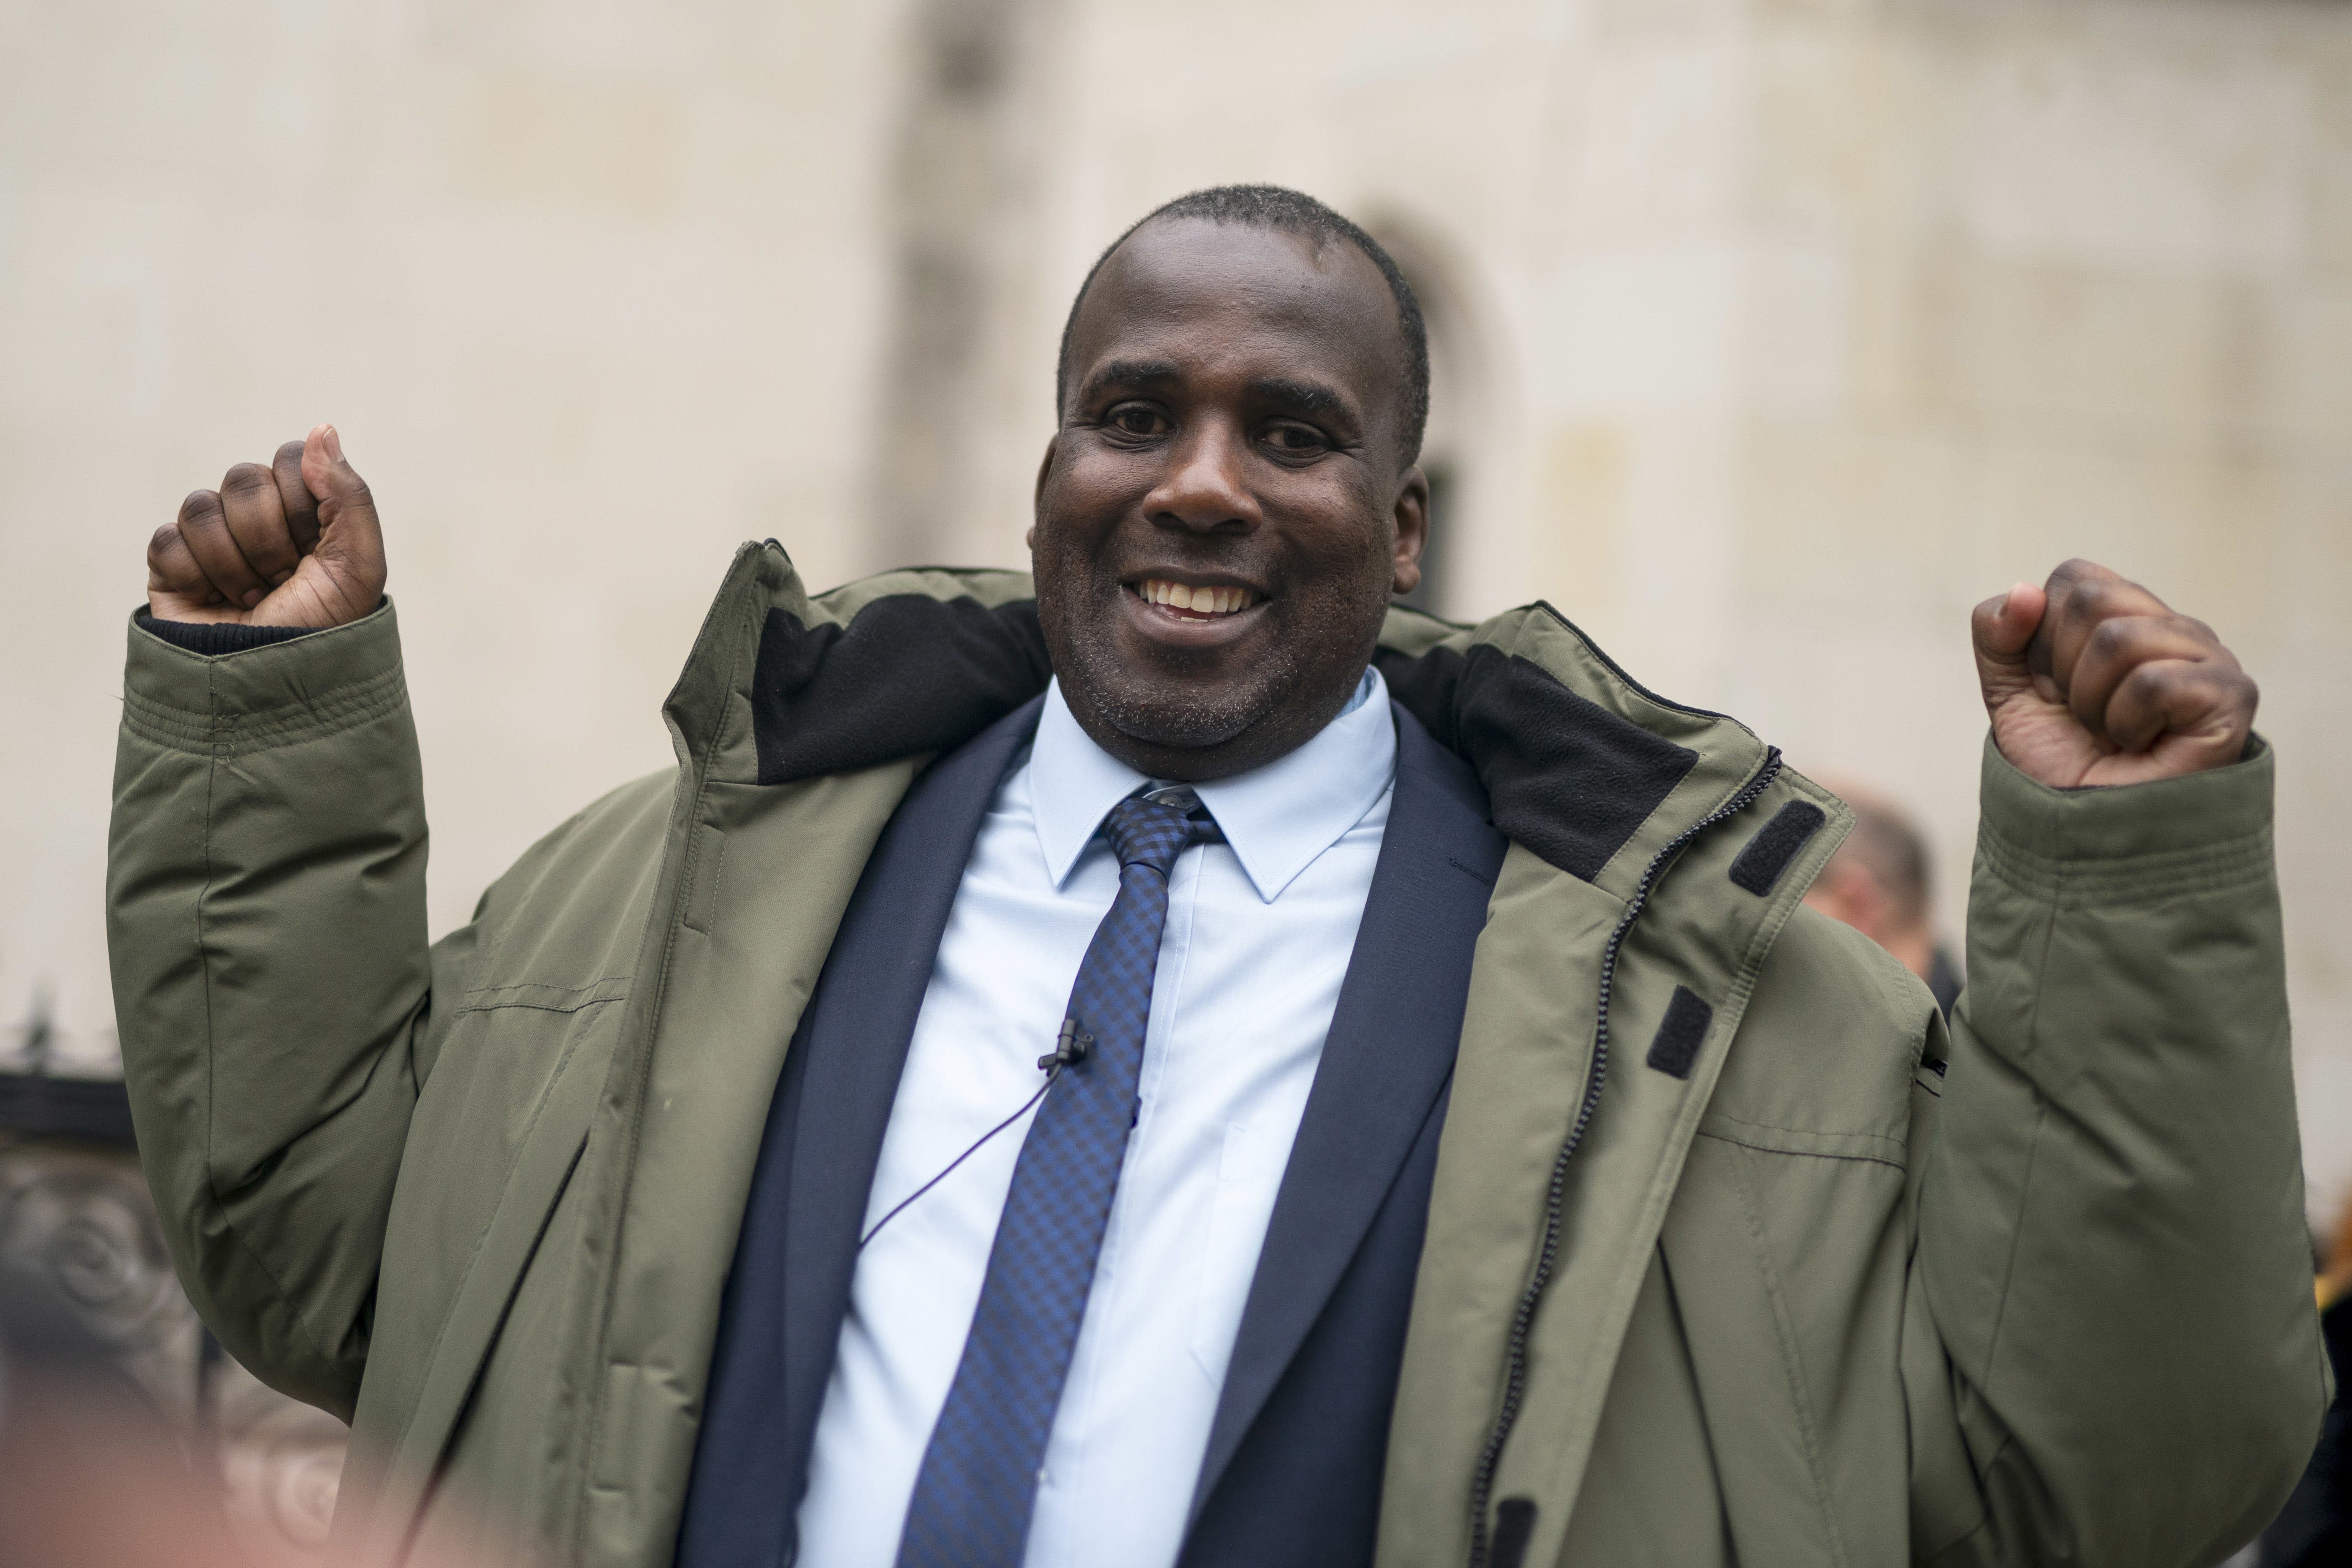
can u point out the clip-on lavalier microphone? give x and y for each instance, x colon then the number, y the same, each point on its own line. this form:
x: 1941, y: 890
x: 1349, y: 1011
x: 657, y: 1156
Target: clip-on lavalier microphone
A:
x: 1070, y: 1049
x: 1071, y: 1044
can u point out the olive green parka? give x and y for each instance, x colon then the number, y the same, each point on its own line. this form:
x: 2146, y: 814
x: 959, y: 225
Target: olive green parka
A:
x: 1846, y: 1289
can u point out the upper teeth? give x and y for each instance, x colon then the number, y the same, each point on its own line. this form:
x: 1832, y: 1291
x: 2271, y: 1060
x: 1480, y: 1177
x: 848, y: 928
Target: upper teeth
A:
x: 1205, y: 601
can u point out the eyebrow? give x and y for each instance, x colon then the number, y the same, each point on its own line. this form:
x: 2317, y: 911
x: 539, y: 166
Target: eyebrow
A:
x: 1312, y: 397
x: 1305, y: 396
x: 1129, y: 373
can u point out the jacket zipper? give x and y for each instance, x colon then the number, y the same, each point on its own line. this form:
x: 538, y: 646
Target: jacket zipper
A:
x: 1482, y: 1480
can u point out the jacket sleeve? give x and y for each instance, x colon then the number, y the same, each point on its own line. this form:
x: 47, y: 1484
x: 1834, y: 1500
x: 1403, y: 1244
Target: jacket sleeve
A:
x: 2111, y: 1351
x: 273, y: 987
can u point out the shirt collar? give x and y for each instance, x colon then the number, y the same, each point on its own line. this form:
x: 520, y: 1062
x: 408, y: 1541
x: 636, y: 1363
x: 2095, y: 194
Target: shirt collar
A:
x: 1277, y: 818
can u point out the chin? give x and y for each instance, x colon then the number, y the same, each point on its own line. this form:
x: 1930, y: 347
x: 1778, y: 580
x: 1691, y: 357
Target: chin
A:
x: 1150, y: 714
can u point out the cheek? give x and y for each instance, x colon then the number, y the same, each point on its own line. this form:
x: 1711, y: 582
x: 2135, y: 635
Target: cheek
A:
x: 1352, y: 553
x: 1090, y: 489
x: 1062, y: 534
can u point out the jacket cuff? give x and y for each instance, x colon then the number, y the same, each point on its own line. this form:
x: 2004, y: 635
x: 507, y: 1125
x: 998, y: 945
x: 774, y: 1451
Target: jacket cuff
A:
x: 213, y: 638
x: 258, y: 697
x: 2202, y: 831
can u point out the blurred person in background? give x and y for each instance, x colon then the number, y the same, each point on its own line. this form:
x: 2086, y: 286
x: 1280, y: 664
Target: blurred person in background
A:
x: 1879, y: 883
x: 2315, y: 1528
x: 1094, y: 1066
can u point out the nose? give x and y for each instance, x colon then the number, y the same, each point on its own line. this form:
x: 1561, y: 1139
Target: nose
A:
x: 1206, y: 488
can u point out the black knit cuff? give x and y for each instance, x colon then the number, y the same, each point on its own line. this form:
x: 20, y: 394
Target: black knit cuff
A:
x: 209, y: 637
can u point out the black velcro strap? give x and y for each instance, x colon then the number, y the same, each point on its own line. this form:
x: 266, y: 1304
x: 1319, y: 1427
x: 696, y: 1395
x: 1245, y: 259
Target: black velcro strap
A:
x: 1680, y: 1033
x: 1775, y: 844
x: 1515, y: 1526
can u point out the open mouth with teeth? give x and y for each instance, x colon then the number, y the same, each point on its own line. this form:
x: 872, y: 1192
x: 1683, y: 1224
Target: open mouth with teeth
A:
x: 1189, y: 603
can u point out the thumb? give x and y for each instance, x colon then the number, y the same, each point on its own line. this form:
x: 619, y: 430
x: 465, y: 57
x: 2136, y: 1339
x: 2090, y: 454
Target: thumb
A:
x: 2001, y: 628
x: 328, y: 476
x: 350, y: 552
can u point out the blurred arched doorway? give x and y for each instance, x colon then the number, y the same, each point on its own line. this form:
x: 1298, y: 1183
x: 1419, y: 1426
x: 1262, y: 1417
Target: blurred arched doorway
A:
x: 1453, y: 452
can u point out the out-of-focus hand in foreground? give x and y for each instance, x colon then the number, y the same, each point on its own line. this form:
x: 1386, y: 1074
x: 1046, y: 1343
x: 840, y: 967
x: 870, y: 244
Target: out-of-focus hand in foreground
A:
x: 92, y: 1476
x: 2091, y: 680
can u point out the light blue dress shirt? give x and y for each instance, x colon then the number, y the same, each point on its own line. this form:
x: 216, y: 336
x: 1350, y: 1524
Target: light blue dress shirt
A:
x: 1259, y: 932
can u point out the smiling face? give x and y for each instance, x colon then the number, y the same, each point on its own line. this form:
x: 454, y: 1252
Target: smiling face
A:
x: 1224, y: 511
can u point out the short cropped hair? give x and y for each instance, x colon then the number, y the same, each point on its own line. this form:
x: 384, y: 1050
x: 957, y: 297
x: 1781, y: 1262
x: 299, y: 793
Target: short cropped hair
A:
x: 1288, y: 212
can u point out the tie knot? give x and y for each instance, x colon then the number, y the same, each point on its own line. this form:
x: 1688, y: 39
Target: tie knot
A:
x: 1148, y: 832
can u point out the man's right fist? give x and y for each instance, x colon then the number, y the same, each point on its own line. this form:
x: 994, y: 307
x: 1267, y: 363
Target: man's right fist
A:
x: 293, y: 544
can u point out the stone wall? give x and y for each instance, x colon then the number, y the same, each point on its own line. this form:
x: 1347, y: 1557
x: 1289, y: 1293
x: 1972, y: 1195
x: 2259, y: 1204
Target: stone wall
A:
x: 1774, y: 333
x: 594, y: 293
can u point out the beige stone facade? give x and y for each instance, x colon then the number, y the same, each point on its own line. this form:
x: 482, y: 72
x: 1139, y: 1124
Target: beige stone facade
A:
x: 1771, y: 335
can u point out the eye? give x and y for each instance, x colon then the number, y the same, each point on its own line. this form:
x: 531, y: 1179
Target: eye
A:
x: 1139, y: 421
x: 1290, y: 440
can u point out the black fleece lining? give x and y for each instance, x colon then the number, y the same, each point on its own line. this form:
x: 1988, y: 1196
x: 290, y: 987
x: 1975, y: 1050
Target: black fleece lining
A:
x: 1775, y: 844
x: 1566, y: 778
x: 1515, y: 1526
x: 909, y: 674
x: 1680, y: 1033
x: 210, y: 638
x: 912, y: 674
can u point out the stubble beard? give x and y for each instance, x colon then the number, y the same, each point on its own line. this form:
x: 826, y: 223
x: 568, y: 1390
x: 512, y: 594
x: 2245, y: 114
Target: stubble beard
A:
x: 1172, y: 714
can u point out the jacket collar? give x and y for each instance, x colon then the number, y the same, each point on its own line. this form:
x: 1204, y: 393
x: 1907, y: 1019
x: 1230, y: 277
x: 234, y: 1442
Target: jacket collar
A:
x: 1586, y: 768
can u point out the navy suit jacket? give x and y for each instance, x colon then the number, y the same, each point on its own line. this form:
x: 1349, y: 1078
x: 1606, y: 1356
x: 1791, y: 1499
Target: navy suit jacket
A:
x: 1292, y: 1474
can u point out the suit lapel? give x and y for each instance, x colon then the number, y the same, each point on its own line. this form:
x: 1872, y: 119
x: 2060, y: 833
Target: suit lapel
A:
x: 1385, y: 1061
x: 852, y: 1045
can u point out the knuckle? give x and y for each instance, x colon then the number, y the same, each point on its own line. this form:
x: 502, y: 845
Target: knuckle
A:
x: 245, y: 479
x: 161, y: 541
x: 2109, y: 639
x: 289, y: 454
x: 2093, y: 599
x: 200, y: 507
x: 2229, y: 679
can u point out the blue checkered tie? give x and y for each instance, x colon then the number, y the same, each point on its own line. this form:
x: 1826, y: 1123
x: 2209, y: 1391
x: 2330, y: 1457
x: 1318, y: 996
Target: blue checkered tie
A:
x: 979, y: 1480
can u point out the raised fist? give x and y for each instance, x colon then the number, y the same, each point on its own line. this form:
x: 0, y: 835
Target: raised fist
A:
x: 293, y: 544
x: 2092, y: 679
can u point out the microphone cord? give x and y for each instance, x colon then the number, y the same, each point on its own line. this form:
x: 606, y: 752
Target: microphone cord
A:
x: 1070, y: 1046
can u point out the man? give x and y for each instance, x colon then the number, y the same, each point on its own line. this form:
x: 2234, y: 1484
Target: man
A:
x: 1877, y: 882
x: 1054, y: 1078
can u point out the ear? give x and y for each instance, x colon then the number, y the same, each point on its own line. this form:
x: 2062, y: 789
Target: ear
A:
x: 1037, y: 492
x: 1410, y: 521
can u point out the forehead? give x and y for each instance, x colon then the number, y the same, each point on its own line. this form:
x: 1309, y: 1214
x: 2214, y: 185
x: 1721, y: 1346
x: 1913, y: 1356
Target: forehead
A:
x: 1210, y: 296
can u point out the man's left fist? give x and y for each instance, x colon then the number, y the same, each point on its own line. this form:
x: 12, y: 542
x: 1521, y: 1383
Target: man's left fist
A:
x: 2092, y: 679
